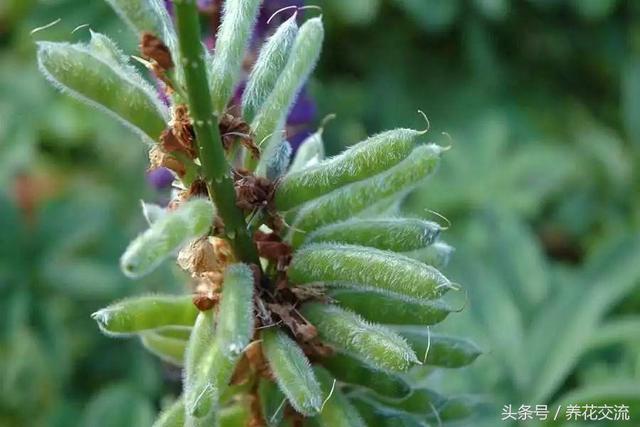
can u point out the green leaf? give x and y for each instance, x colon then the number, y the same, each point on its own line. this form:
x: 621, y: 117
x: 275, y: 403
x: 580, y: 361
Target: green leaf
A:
x: 106, y: 84
x: 118, y: 405
x: 617, y: 330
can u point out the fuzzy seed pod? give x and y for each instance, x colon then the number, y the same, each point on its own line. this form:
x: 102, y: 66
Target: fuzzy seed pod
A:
x: 170, y: 350
x: 271, y: 117
x: 444, y: 351
x: 363, y: 160
x: 350, y: 370
x: 173, y: 416
x: 100, y: 78
x: 349, y: 200
x: 238, y: 17
x: 139, y: 314
x: 192, y: 219
x: 391, y: 309
x: 292, y: 371
x: 145, y: 16
x: 310, y: 152
x: 337, y: 411
x: 391, y: 234
x: 214, y: 365
x: 348, y: 332
x: 379, y: 415
x: 437, y: 254
x: 272, y: 59
x: 271, y: 397
x: 341, y: 265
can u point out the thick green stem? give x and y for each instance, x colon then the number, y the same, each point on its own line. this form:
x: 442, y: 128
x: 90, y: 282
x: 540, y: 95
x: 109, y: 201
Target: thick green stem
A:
x: 214, y: 165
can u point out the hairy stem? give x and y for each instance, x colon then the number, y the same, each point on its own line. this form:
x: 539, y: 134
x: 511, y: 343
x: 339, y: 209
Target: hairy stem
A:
x: 214, y: 166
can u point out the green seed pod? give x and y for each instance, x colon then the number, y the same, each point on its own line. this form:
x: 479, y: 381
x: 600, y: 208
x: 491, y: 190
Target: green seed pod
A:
x: 391, y: 309
x: 292, y: 371
x: 437, y: 255
x: 233, y: 333
x: 353, y: 371
x: 173, y: 416
x: 271, y: 117
x: 348, y: 332
x: 310, y: 152
x: 349, y: 200
x: 139, y: 314
x: 238, y: 18
x: 192, y: 219
x: 272, y: 59
x: 391, y: 234
x: 235, y: 317
x: 271, y: 399
x: 337, y: 411
x: 144, y: 15
x: 363, y: 160
x: 278, y: 161
x: 201, y: 343
x: 379, y: 415
x: 340, y: 265
x: 104, y: 84
x: 170, y: 350
x: 444, y: 351
x: 421, y: 401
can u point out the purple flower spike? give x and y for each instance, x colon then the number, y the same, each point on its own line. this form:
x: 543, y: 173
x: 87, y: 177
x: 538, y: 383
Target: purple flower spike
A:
x: 160, y: 178
x: 303, y: 111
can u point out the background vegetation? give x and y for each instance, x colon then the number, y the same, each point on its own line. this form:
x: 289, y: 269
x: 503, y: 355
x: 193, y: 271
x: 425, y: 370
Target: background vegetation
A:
x: 542, y: 102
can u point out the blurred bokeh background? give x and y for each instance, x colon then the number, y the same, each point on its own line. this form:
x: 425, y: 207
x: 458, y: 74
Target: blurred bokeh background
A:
x: 541, y: 102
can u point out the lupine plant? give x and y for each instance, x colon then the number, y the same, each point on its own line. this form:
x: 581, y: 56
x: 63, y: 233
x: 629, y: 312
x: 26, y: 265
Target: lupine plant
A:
x: 310, y: 297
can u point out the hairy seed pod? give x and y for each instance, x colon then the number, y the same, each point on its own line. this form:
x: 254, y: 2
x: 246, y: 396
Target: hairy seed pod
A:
x: 444, y: 351
x: 292, y: 371
x: 233, y: 333
x: 170, y: 350
x: 437, y: 254
x: 145, y: 16
x: 337, y: 411
x: 105, y: 84
x: 139, y: 314
x: 341, y: 265
x: 173, y: 416
x: 348, y: 332
x: 421, y: 401
x: 363, y: 160
x: 278, y: 161
x: 270, y: 119
x: 349, y: 200
x: 391, y: 234
x: 379, y: 415
x: 309, y: 153
x: 201, y: 342
x: 391, y: 309
x: 271, y: 397
x: 192, y: 219
x: 235, y: 317
x: 238, y: 18
x: 272, y: 59
x: 350, y: 370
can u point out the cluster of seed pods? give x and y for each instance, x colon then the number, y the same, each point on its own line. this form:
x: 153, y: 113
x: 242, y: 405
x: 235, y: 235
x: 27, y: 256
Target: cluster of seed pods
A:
x: 360, y: 281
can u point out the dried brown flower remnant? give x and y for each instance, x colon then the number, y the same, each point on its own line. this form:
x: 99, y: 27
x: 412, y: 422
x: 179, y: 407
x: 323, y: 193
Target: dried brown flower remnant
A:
x: 159, y: 158
x: 252, y: 191
x: 154, y: 49
x: 179, y: 137
x: 233, y: 129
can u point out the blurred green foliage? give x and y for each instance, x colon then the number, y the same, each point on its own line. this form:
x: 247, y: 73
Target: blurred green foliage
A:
x: 542, y: 100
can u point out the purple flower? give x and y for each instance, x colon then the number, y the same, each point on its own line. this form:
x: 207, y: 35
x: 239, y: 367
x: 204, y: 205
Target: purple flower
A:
x: 303, y: 111
x: 160, y: 178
